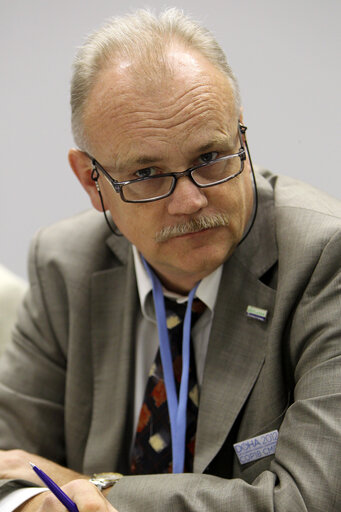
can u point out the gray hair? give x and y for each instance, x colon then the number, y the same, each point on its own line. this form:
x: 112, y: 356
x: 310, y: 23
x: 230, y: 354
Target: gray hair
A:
x: 141, y: 37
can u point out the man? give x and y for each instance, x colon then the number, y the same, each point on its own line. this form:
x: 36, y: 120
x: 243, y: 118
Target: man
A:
x: 161, y: 146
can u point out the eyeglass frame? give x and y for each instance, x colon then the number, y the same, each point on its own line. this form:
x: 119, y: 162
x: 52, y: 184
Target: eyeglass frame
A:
x: 118, y: 185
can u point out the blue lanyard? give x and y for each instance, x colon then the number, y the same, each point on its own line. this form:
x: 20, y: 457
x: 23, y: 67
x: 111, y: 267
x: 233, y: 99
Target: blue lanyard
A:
x: 177, y: 408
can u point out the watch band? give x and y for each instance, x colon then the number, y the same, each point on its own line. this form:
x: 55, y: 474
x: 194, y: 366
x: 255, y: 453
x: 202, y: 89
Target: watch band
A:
x: 105, y: 480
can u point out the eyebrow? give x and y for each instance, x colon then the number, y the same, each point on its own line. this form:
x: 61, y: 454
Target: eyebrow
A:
x: 216, y: 142
x: 146, y: 160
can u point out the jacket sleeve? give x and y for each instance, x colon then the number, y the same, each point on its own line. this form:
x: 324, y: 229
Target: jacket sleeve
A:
x: 32, y: 378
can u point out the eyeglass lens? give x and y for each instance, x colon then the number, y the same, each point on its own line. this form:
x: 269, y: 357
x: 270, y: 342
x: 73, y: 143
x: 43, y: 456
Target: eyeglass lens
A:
x: 159, y: 185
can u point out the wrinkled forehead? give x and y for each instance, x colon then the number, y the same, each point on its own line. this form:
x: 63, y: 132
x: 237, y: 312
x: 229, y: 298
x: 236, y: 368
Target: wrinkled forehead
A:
x: 186, y: 94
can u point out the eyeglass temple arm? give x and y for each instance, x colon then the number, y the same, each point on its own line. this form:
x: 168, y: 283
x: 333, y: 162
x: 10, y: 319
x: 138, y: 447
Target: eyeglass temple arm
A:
x: 242, y: 130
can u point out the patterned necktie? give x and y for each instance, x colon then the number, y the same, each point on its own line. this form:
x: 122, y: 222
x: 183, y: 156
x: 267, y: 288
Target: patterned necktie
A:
x: 152, y: 451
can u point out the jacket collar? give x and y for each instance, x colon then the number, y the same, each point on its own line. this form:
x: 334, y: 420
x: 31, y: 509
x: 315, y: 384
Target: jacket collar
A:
x: 258, y: 252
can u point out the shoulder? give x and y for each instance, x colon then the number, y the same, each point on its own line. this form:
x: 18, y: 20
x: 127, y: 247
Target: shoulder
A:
x: 293, y: 195
x: 78, y: 228
x: 81, y: 243
x: 307, y: 224
x: 301, y: 208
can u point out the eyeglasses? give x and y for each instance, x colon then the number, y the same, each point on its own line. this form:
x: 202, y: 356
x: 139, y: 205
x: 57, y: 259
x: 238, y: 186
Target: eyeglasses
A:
x: 152, y: 188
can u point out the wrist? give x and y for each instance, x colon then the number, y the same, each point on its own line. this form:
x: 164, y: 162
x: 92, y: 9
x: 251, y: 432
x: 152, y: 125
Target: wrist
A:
x: 32, y: 504
x: 105, y: 481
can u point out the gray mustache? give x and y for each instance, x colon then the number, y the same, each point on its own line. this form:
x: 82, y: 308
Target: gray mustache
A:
x: 192, y: 226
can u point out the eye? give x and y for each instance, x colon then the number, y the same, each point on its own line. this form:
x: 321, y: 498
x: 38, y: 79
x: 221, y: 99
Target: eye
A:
x: 207, y: 158
x: 146, y: 173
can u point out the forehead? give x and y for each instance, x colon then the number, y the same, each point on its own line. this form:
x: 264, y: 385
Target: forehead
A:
x: 130, y: 108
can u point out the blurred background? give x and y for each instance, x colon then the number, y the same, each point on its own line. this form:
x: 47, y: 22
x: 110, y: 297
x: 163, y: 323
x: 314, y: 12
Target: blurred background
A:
x: 286, y: 56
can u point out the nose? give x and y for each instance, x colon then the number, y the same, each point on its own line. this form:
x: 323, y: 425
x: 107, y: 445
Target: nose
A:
x: 187, y: 198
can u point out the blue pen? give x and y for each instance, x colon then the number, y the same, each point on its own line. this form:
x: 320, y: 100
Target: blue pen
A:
x: 55, y: 489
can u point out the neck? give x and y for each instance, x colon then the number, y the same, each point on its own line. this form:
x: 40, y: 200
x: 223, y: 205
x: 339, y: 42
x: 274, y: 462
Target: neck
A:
x: 177, y: 284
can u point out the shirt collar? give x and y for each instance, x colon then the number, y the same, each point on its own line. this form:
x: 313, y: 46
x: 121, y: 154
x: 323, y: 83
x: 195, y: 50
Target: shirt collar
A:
x: 207, y: 290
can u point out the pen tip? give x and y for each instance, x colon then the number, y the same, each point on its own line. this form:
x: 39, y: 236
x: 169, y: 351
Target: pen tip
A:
x: 33, y: 465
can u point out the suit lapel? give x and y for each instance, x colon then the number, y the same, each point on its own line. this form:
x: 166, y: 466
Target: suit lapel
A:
x: 237, y: 343
x: 114, y: 304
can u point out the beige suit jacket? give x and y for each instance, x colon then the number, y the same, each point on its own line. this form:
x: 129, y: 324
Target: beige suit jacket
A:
x: 67, y: 380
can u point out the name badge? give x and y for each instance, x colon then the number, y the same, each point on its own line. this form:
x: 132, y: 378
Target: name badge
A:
x: 256, y: 447
x: 257, y: 313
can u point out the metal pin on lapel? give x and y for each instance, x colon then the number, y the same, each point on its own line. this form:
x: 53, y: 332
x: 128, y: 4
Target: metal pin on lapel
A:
x: 257, y: 313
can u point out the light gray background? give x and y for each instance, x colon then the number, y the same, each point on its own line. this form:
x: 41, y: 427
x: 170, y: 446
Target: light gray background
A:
x: 286, y: 55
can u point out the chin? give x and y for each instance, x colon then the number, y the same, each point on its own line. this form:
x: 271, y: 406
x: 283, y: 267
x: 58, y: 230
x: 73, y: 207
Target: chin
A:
x: 203, y: 262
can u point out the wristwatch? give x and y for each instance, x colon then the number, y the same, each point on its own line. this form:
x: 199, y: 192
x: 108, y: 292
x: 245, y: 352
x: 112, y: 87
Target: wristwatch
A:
x: 105, y: 480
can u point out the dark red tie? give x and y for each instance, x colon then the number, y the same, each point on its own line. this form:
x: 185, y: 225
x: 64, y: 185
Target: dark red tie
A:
x: 152, y: 451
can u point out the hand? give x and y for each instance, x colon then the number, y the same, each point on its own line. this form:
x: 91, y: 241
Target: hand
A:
x: 16, y: 464
x: 86, y: 496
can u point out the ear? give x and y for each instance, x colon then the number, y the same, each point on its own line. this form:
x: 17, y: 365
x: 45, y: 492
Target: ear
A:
x: 241, y: 113
x: 241, y: 121
x: 82, y: 166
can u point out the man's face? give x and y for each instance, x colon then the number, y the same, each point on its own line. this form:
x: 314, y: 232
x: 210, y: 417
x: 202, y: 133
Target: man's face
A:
x: 137, y: 131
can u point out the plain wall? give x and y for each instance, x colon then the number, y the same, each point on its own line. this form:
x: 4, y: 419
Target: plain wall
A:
x: 286, y: 56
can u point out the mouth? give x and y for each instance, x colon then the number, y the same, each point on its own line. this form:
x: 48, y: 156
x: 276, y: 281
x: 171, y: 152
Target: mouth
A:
x: 193, y: 233
x: 192, y: 227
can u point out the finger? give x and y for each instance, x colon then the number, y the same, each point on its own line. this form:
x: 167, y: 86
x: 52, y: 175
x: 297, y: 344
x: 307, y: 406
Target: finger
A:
x: 48, y: 503
x: 87, y: 497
